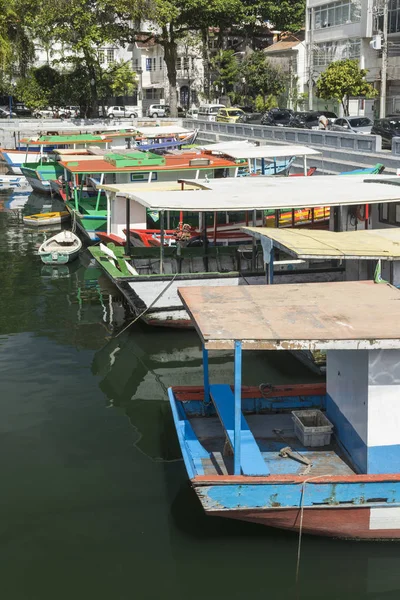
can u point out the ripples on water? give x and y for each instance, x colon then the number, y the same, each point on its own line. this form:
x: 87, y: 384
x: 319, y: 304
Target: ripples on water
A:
x: 94, y: 499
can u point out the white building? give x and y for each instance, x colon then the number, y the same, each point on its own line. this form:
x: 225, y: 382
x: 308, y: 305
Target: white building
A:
x: 147, y: 59
x: 344, y: 29
x: 290, y: 54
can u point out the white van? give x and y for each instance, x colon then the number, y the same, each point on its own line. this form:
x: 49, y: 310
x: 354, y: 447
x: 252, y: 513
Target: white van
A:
x: 208, y: 112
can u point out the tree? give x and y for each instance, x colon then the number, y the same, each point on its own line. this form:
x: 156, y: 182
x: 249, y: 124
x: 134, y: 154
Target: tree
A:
x: 227, y: 68
x: 343, y: 79
x: 122, y: 78
x: 84, y: 26
x: 261, y: 77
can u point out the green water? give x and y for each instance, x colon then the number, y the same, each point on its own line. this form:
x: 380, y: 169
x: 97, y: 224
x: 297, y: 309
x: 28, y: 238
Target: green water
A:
x: 94, y: 499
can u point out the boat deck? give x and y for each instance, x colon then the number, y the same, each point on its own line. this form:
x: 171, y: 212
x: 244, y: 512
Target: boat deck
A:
x: 325, y: 460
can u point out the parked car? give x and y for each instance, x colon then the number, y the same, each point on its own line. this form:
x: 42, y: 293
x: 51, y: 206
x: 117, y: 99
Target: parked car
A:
x: 310, y: 119
x: 193, y: 113
x: 21, y: 110
x: 230, y: 115
x: 387, y: 128
x: 5, y: 113
x: 277, y: 116
x: 208, y: 112
x: 45, y: 113
x: 121, y: 111
x: 158, y: 110
x: 69, y: 112
x: 181, y: 112
x: 352, y: 125
x: 251, y: 116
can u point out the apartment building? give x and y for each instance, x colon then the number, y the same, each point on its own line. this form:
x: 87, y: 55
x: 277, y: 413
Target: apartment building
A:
x: 345, y: 29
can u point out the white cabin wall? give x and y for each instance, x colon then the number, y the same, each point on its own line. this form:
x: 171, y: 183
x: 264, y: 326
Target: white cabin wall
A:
x: 384, y: 411
x: 346, y: 407
x: 118, y: 216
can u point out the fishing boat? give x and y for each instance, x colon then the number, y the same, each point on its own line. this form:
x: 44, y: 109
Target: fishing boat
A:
x: 39, y: 173
x: 149, y: 276
x: 49, y: 218
x: 321, y: 459
x: 82, y: 185
x: 60, y: 249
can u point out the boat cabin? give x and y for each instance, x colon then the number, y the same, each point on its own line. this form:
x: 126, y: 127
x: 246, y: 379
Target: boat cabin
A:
x: 362, y: 253
x: 321, y: 458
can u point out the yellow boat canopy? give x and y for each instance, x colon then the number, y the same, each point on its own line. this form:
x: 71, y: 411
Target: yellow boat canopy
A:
x: 365, y: 244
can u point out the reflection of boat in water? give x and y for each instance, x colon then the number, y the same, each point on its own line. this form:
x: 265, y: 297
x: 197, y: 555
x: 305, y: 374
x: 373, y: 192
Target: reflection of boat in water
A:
x: 58, y: 271
x: 136, y: 368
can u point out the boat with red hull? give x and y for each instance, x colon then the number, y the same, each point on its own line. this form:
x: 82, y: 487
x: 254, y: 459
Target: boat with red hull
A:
x: 318, y: 459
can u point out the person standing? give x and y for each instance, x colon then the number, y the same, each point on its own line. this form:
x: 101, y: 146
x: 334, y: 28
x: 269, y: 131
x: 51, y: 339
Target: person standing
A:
x: 323, y: 122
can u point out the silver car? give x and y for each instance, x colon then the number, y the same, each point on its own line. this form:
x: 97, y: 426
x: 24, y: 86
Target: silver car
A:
x: 352, y: 125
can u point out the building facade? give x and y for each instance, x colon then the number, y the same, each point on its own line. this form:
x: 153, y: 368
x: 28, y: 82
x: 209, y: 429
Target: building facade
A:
x: 345, y: 29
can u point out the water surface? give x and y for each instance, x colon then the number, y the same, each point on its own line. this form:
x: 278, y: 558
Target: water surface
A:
x: 94, y: 498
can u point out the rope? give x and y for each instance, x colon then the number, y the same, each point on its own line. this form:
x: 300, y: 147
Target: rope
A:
x: 150, y: 305
x: 303, y: 493
x: 73, y: 222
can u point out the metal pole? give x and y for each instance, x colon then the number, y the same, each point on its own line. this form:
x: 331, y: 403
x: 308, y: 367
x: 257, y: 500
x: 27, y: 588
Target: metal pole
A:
x: 238, y: 407
x: 128, y: 226
x: 310, y: 60
x: 382, y: 105
x: 162, y: 242
x: 206, y: 378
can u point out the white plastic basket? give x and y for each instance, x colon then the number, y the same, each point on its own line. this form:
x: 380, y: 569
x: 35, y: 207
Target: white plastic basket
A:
x: 312, y: 427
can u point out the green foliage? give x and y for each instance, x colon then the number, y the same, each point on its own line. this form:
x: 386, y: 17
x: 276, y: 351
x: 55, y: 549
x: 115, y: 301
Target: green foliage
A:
x: 122, y: 79
x: 262, y: 104
x: 226, y: 66
x: 343, y: 79
x: 262, y: 78
x: 31, y: 92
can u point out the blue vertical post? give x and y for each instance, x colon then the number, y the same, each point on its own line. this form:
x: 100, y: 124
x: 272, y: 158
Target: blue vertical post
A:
x: 263, y: 166
x: 238, y: 407
x: 206, y: 378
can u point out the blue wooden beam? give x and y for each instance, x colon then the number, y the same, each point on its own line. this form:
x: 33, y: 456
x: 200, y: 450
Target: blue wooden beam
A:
x: 238, y: 406
x: 206, y: 377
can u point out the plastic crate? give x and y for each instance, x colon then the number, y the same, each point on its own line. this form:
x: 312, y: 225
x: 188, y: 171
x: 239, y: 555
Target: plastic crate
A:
x: 312, y: 427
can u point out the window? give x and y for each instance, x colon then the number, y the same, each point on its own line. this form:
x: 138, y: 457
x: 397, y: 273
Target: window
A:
x: 148, y: 64
x: 178, y: 63
x: 154, y: 64
x: 337, y: 13
x: 389, y: 213
x: 143, y: 176
x: 161, y: 63
x: 110, y: 55
x: 186, y: 63
x: 192, y: 63
x: 393, y: 16
x: 136, y: 64
x: 327, y: 52
x: 101, y: 56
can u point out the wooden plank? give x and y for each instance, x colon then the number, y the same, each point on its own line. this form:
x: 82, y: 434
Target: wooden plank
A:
x: 340, y: 315
x: 251, y: 460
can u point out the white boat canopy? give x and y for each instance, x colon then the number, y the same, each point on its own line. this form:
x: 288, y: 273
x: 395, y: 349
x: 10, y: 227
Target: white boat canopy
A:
x: 270, y: 152
x: 364, y: 244
x: 161, y: 130
x: 221, y: 147
x: 352, y: 315
x: 261, y: 193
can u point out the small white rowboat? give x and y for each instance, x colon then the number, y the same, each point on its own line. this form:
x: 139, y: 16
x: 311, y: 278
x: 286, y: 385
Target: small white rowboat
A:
x: 60, y: 249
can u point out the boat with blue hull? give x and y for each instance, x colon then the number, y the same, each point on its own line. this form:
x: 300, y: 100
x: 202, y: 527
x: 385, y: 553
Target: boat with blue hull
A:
x: 313, y: 458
